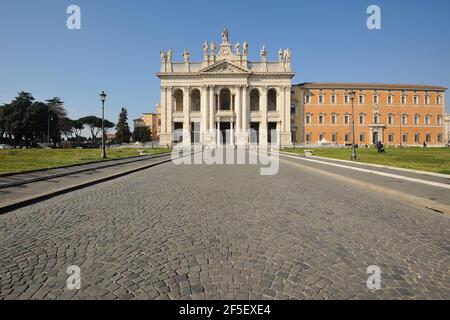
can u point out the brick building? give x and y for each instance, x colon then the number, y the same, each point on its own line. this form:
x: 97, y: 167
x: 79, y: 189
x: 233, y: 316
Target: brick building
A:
x: 151, y: 120
x: 407, y: 115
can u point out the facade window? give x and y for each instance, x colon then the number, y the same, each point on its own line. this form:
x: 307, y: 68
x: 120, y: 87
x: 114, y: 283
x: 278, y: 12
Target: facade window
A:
x: 427, y: 99
x: 333, y: 118
x: 346, y: 118
x: 361, y: 119
x: 439, y: 120
x: 417, y: 138
x: 390, y: 118
x: 403, y: 99
x: 321, y: 98
x: 376, y: 119
x: 391, y: 138
x: 361, y: 99
x: 346, y: 98
x: 416, y: 100
x: 334, y: 137
x: 308, y: 137
x: 333, y: 98
x: 321, y: 136
x: 404, y: 119
x: 427, y: 120
x: 439, y: 137
x: 308, y: 118
x: 428, y: 137
x: 405, y: 138
x: 307, y: 98
x: 347, y: 137
x: 361, y: 138
x: 293, y: 109
x: 438, y: 100
x: 195, y: 101
x: 416, y: 120
x: 376, y: 98
x: 321, y: 118
x: 390, y: 99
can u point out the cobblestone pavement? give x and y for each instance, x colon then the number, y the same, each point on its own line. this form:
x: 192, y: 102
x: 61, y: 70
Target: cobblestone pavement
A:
x: 223, y: 232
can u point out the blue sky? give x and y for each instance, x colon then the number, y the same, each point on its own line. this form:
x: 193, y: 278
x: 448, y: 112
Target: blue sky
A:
x: 117, y: 49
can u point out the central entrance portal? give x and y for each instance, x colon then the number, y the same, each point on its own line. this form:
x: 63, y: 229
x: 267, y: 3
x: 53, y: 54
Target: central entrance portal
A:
x: 225, y: 132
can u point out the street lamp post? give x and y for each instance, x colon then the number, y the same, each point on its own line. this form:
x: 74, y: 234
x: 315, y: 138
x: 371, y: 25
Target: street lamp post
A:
x: 352, y: 98
x: 50, y: 118
x: 401, y: 129
x: 103, y: 99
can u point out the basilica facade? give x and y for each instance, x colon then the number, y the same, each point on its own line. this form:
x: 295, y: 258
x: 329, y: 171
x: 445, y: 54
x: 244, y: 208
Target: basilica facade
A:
x: 226, y: 99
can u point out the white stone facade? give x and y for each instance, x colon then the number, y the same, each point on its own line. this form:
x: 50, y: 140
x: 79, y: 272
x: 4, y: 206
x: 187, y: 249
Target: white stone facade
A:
x: 226, y: 99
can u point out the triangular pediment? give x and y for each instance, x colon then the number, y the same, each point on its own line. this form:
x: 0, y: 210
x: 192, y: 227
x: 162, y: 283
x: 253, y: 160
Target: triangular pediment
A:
x: 225, y: 67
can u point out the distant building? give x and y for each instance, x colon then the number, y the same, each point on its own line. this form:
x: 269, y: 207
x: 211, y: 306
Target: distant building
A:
x: 151, y: 120
x: 407, y: 115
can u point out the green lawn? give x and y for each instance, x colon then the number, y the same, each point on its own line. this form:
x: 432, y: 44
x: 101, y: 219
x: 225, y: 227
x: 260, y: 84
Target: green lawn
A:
x: 425, y: 159
x: 17, y: 160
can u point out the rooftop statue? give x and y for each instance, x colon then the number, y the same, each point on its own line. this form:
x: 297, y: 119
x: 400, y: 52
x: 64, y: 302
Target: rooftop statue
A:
x: 205, y: 48
x: 186, y: 55
x: 245, y: 48
x: 225, y: 36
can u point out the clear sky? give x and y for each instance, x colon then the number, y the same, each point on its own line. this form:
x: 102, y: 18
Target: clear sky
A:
x: 117, y: 48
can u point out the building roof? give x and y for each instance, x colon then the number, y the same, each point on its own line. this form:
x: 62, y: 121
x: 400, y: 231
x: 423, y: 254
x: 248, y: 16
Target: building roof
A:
x: 370, y: 86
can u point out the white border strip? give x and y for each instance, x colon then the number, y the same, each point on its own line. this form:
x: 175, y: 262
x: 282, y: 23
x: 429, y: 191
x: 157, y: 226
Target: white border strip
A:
x: 384, y: 174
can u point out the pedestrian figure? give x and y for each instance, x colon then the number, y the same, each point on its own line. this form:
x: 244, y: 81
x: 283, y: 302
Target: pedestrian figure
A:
x: 424, y: 144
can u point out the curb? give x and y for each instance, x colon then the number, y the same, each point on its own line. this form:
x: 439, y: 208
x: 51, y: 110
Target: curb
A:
x: 429, y: 173
x: 38, y: 198
x: 108, y: 164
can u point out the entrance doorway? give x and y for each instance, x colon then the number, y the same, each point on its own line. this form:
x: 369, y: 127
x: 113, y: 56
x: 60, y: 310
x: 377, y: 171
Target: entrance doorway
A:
x: 272, y: 129
x: 375, y: 137
x: 254, y: 132
x: 225, y: 131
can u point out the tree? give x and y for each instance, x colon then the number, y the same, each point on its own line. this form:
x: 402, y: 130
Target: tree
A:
x: 78, y: 127
x: 57, y: 106
x: 123, y: 133
x: 66, y: 126
x: 142, y: 134
x: 94, y: 125
x: 36, y: 122
x: 13, y: 116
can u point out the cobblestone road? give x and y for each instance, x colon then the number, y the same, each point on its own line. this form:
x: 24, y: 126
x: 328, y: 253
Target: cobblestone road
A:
x: 223, y: 232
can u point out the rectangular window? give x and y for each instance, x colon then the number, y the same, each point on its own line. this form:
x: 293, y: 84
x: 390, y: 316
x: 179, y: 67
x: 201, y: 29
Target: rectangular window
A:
x: 346, y: 98
x: 416, y: 100
x: 347, y: 137
x: 375, y: 99
x: 333, y: 98
x: 307, y: 98
x: 333, y: 119
x: 361, y: 99
x: 390, y: 99
x: 334, y: 137
x: 321, y: 136
x: 439, y: 137
x: 321, y: 98
x: 416, y: 138
x: 375, y: 119
x: 346, y: 119
x: 361, y: 119
x: 428, y: 138
x: 391, y: 137
x: 404, y: 120
x: 427, y: 100
x: 320, y: 119
x: 308, y: 137
x: 427, y: 120
x: 438, y: 100
x: 361, y: 138
x: 390, y: 119
x: 308, y: 119
x: 403, y: 99
x: 405, y: 138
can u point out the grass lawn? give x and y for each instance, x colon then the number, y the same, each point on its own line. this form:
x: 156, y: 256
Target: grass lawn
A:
x: 17, y: 160
x: 425, y: 159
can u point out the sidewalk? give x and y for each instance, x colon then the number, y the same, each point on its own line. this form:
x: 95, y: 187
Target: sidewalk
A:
x: 24, y: 189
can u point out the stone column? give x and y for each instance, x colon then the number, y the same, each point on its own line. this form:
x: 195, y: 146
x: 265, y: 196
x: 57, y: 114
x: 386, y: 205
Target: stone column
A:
x: 232, y: 132
x: 263, y: 125
x: 169, y: 125
x: 218, y: 132
x: 286, y: 136
x: 245, y: 113
x: 238, y: 109
x: 163, y: 110
x: 211, y: 109
x: 186, y: 114
x: 204, y: 111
